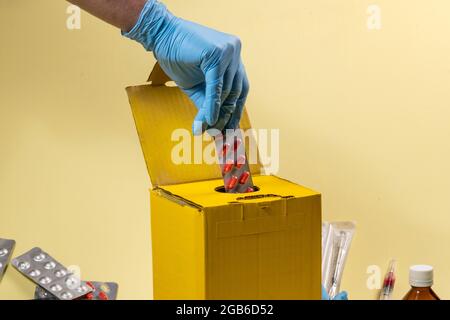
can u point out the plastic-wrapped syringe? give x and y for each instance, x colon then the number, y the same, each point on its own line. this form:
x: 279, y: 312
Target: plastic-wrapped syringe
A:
x: 336, y: 240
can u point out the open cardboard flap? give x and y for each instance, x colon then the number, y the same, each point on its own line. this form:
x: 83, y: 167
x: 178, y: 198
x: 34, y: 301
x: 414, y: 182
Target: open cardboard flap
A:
x: 163, y: 116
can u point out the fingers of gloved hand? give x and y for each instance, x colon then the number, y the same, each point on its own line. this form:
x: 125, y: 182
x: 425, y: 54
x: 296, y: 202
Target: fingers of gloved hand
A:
x: 213, y: 95
x: 199, y: 125
x: 240, y: 103
x: 196, y: 94
x: 229, y: 81
x: 341, y: 296
x: 229, y: 97
x: 225, y: 114
x: 235, y: 90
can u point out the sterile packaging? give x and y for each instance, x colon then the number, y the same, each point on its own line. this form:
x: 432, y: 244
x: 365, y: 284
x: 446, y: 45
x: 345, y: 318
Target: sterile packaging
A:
x: 100, y: 291
x: 337, y: 240
x: 325, y: 227
x: 212, y: 244
x: 45, y: 271
x: 6, y: 249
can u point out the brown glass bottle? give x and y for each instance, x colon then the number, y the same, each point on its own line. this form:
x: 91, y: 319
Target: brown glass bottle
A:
x: 421, y: 280
x: 418, y: 293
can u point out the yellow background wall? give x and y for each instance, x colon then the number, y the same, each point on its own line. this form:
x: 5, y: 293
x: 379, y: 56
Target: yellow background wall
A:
x: 364, y: 118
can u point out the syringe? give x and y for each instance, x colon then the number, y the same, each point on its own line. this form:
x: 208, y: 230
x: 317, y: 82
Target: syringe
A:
x: 389, y: 282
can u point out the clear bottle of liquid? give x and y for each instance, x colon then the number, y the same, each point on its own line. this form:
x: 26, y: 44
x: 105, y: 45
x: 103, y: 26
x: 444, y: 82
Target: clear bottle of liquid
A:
x: 421, y: 280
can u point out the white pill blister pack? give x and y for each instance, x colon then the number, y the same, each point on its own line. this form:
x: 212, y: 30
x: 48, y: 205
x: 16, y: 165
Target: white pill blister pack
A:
x: 48, y: 273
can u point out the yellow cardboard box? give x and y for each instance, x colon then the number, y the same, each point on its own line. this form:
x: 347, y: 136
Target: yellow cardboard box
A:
x: 212, y: 245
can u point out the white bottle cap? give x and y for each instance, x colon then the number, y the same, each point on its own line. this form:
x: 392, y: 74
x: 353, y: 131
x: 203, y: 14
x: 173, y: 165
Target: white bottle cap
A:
x: 421, y: 276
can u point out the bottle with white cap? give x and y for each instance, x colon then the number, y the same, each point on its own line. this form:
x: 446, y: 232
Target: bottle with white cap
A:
x: 421, y: 280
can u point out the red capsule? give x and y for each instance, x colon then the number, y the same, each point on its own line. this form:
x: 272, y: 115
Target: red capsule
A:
x: 232, y: 182
x: 90, y: 285
x: 228, y: 166
x: 103, y: 296
x: 90, y: 296
x: 225, y: 149
x: 244, y: 177
x: 250, y: 189
x: 237, y: 143
x: 240, y: 161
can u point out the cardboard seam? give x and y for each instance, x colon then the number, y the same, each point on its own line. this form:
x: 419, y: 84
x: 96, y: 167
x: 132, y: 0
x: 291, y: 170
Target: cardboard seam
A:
x: 178, y: 199
x: 205, y: 266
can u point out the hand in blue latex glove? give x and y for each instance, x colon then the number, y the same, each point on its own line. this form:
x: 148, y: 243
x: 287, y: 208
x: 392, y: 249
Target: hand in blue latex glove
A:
x: 341, y: 296
x: 203, y: 62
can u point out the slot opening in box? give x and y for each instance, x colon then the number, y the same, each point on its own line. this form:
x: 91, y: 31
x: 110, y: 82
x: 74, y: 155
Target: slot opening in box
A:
x: 221, y: 189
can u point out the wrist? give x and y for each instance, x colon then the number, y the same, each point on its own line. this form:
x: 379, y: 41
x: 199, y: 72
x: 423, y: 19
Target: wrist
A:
x: 153, y: 20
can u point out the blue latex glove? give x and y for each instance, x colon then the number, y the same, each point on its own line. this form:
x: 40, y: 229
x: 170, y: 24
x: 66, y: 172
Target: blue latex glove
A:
x: 341, y: 296
x: 205, y: 64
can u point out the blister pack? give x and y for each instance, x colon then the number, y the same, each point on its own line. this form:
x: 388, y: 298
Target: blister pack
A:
x: 6, y: 249
x: 100, y: 291
x: 230, y: 149
x: 45, y: 271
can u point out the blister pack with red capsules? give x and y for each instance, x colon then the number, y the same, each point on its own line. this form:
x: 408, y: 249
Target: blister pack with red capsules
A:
x: 230, y: 149
x: 100, y: 291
